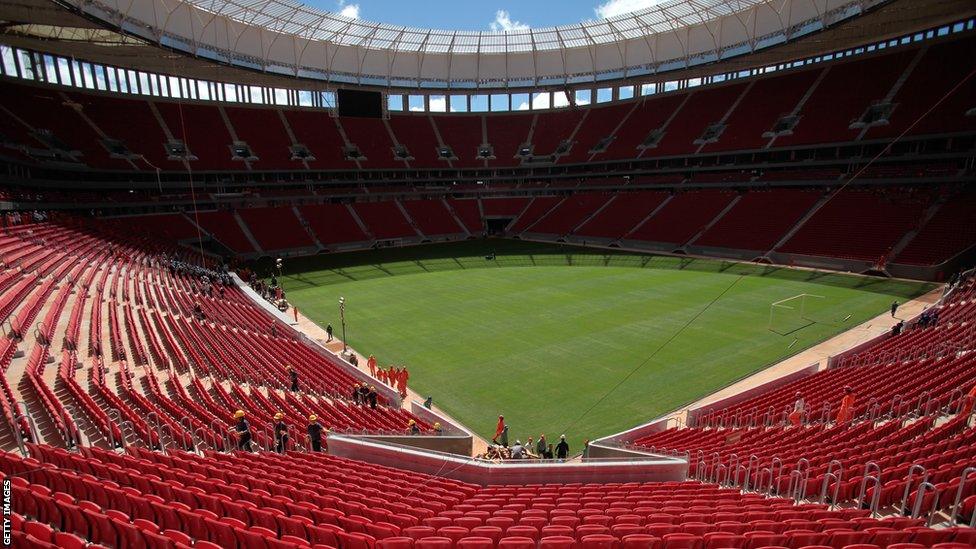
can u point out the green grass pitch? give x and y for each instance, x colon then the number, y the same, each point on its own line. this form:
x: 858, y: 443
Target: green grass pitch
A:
x: 543, y: 332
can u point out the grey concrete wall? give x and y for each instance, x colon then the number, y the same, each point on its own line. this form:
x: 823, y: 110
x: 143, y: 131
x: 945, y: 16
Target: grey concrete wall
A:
x: 522, y: 472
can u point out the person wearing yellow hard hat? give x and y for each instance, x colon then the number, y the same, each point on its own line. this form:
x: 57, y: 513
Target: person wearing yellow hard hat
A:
x: 243, y: 430
x: 437, y: 428
x: 315, y: 433
x: 280, y: 433
x: 414, y: 430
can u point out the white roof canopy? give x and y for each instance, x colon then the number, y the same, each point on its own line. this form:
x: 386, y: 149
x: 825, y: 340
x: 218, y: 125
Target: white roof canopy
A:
x: 287, y: 37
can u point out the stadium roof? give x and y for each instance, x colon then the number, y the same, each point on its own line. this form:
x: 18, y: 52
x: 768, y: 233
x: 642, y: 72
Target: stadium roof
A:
x: 291, y: 17
x: 289, y: 38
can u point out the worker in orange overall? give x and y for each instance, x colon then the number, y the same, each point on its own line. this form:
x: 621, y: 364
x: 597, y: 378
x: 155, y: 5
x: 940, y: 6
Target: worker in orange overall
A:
x: 846, y: 411
x: 968, y: 401
x: 371, y: 362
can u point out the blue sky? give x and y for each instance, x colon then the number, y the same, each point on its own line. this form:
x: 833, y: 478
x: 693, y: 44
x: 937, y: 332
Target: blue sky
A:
x: 483, y: 15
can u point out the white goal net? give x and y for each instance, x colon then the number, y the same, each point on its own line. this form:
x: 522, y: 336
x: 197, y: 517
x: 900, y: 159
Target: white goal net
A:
x: 790, y: 315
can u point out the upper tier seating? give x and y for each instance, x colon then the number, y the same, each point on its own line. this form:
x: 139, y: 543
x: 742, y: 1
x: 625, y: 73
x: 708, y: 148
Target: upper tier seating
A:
x: 265, y: 135
x: 840, y: 92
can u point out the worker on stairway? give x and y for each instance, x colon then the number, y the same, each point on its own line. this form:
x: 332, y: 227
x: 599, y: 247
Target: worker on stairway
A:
x: 371, y: 363
x: 243, y: 430
x: 372, y: 397
x: 293, y: 378
x: 414, y: 429
x: 280, y: 433
x: 315, y: 433
x: 968, y: 400
x: 796, y: 416
x: 355, y: 393
x: 846, y: 411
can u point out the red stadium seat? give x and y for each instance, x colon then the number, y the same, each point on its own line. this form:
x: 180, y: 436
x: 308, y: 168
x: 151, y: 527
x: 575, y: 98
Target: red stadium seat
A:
x: 395, y: 543
x: 640, y: 541
x: 598, y: 541
x: 475, y: 542
x: 516, y: 542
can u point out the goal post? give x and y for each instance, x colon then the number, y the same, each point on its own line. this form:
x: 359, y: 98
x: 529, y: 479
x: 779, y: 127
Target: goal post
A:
x: 792, y: 314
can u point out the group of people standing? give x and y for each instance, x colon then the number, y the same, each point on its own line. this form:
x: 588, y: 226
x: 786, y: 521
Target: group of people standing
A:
x: 540, y: 449
x: 392, y: 376
x: 363, y: 395
x: 242, y: 430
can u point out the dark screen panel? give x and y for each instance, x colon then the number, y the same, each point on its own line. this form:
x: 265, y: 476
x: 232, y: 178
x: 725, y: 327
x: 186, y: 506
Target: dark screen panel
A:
x: 359, y: 103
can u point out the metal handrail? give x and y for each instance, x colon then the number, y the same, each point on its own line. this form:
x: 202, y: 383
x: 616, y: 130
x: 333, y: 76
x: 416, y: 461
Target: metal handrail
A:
x: 953, y: 516
x: 165, y: 429
x: 774, y: 477
x: 71, y: 413
x: 19, y: 436
x: 798, y: 480
x: 761, y: 476
x: 733, y: 465
x: 895, y: 405
x: 114, y: 417
x: 199, y: 434
x: 920, y: 496
x: 875, y: 496
x: 31, y: 426
x: 752, y: 464
x: 717, y: 473
x: 828, y: 477
x: 958, y: 396
x: 924, y: 475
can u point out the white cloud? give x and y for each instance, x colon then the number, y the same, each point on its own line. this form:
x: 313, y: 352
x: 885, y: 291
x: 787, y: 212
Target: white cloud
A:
x: 348, y: 10
x: 437, y: 103
x: 503, y: 23
x: 539, y: 101
x: 611, y: 8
